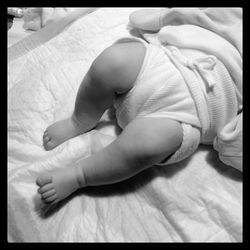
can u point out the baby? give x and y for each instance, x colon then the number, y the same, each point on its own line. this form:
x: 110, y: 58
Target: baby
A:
x: 143, y: 142
x: 154, y: 107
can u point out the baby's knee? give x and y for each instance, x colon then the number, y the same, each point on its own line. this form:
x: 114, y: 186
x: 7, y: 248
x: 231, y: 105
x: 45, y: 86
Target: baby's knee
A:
x: 118, y: 66
x: 107, y: 63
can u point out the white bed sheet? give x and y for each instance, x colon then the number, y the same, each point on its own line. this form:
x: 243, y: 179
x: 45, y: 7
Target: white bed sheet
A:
x: 197, y: 200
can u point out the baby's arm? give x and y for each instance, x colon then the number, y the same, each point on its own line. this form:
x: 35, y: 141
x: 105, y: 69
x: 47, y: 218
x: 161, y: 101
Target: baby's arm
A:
x: 143, y: 143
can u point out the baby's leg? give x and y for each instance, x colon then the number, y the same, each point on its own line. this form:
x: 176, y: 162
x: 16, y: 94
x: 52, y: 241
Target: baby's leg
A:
x: 113, y: 72
x: 143, y: 143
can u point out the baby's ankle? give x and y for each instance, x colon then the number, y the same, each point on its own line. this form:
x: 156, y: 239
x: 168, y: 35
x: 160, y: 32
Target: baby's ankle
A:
x: 80, y: 177
x: 77, y: 125
x: 83, y: 124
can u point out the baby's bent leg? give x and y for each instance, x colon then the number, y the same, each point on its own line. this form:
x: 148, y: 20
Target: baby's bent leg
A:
x: 113, y: 72
x: 143, y: 143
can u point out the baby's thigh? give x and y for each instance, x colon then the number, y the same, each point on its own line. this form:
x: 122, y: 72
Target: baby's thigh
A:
x: 152, y: 138
x: 118, y: 66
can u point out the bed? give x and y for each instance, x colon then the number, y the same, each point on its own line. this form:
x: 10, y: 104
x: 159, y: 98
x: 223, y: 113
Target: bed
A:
x: 196, y: 200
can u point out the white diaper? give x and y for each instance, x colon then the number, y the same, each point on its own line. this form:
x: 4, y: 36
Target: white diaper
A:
x: 160, y: 91
x: 190, y: 142
x: 193, y: 88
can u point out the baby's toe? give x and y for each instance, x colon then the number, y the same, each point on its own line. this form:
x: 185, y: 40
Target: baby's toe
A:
x: 50, y: 199
x: 49, y: 145
x: 46, y: 138
x: 48, y: 194
x: 45, y: 188
x: 45, y: 133
x: 43, y: 180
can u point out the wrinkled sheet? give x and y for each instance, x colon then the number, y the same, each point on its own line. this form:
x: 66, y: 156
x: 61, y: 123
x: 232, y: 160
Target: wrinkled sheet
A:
x: 36, y: 18
x: 196, y: 200
x: 52, y: 29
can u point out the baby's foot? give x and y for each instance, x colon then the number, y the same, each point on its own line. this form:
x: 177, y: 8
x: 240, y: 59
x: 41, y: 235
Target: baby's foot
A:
x: 147, y: 19
x: 58, y: 184
x: 60, y: 132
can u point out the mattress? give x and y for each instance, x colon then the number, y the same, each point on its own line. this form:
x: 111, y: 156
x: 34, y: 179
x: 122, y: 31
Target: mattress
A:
x: 196, y: 200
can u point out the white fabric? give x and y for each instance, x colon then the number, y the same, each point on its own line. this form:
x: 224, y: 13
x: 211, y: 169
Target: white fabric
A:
x: 43, y: 35
x: 229, y: 143
x: 190, y: 142
x: 209, y: 42
x: 211, y: 87
x: 222, y: 102
x: 220, y: 37
x: 36, y: 18
x: 159, y: 91
x: 196, y: 200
